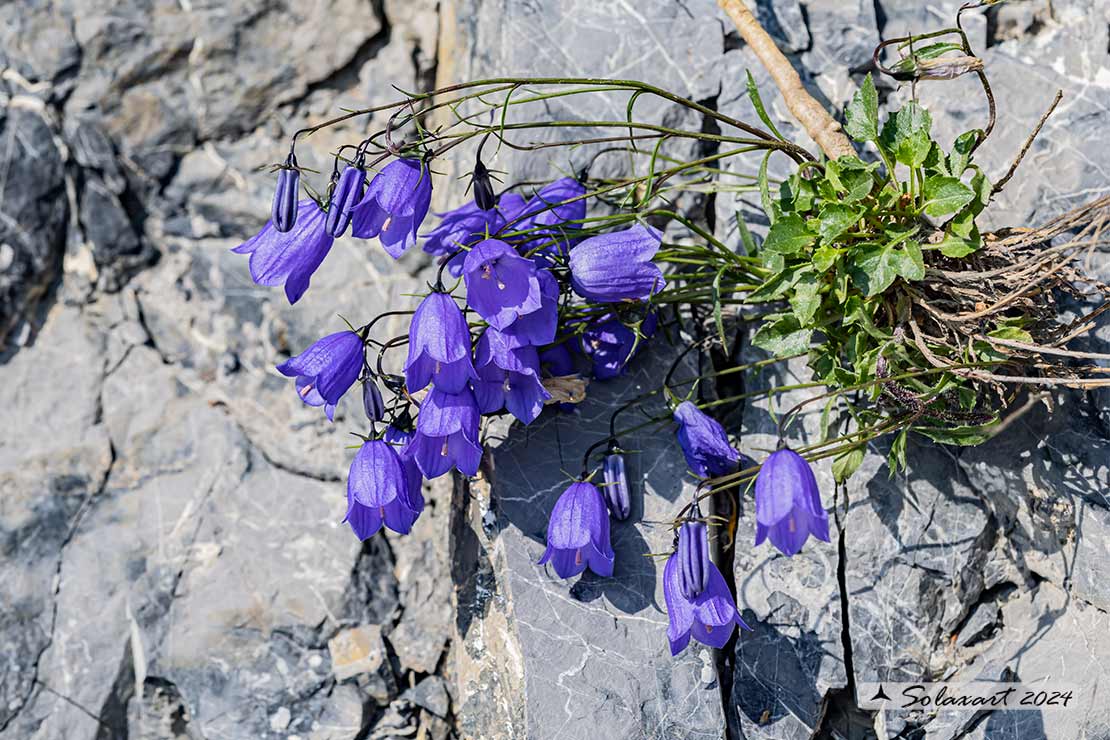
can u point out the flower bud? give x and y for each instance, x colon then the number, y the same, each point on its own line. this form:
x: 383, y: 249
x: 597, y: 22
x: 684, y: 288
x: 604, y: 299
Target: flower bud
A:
x: 483, y: 188
x: 345, y: 196
x: 372, y: 400
x: 616, y: 487
x: 693, y: 558
x: 284, y: 211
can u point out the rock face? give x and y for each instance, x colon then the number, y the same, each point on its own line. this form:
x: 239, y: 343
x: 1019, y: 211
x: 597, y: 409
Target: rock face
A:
x: 171, y: 553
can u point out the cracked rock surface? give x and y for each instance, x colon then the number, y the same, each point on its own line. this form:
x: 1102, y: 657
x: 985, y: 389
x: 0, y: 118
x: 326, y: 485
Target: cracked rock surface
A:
x: 172, y: 563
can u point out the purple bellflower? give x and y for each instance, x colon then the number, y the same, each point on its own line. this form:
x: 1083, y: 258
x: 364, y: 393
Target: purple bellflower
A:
x: 610, y: 344
x: 283, y: 213
x: 289, y: 258
x: 500, y: 284
x: 509, y: 376
x: 394, y: 205
x: 618, y: 266
x: 547, y: 214
x: 326, y: 370
x: 439, y: 346
x: 346, y: 194
x: 468, y: 225
x: 578, y: 533
x: 400, y: 439
x: 704, y: 442
x: 693, y: 558
x: 558, y: 361
x: 616, y: 486
x: 787, y: 503
x: 378, y: 491
x: 709, y: 617
x: 447, y: 434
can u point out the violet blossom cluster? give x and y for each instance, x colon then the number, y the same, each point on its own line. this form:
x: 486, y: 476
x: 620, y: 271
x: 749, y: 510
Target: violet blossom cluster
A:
x: 535, y: 296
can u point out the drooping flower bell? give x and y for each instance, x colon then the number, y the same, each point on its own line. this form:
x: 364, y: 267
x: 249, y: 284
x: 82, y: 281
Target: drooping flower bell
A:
x: 400, y: 439
x: 509, y: 377
x: 616, y: 485
x: 708, y: 617
x: 788, y: 503
x: 447, y: 434
x: 372, y: 402
x: 611, y: 344
x: 466, y: 226
x: 693, y: 558
x: 617, y: 266
x: 283, y: 212
x: 394, y: 205
x: 327, y: 369
x: 548, y: 215
x: 347, y: 193
x: 578, y: 533
x: 500, y: 284
x: 378, y: 491
x: 704, y: 442
x: 289, y: 258
x: 439, y: 346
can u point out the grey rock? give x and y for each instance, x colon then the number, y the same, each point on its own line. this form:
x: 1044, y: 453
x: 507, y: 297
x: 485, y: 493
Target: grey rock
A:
x: 784, y: 20
x: 431, y: 694
x: 980, y: 624
x: 792, y: 604
x: 33, y: 211
x: 588, y: 656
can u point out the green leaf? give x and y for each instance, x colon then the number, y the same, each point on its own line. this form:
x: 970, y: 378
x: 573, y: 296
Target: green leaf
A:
x: 836, y: 218
x: 944, y: 195
x: 806, y: 299
x: 852, y: 177
x: 896, y: 460
x: 966, y: 436
x: 788, y: 235
x: 765, y: 189
x: 961, y: 151
x: 745, y: 235
x: 781, y: 335
x: 753, y: 93
x: 824, y: 257
x: 959, y: 246
x: 847, y: 463
x: 906, y: 134
x: 861, y: 118
x: 878, y: 267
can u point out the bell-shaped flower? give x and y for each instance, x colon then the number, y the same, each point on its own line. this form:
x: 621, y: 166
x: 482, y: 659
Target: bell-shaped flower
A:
x: 447, y: 434
x: 611, y: 344
x: 558, y: 361
x: 283, y: 211
x: 549, y: 216
x: 346, y: 195
x: 709, y: 617
x: 578, y: 533
x: 616, y: 486
x: 617, y: 266
x: 500, y: 284
x: 704, y: 442
x: 787, y: 503
x: 539, y: 326
x: 693, y: 558
x: 289, y: 258
x: 466, y: 226
x: 509, y: 377
x: 439, y: 346
x: 378, y: 491
x: 327, y: 369
x: 394, y: 205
